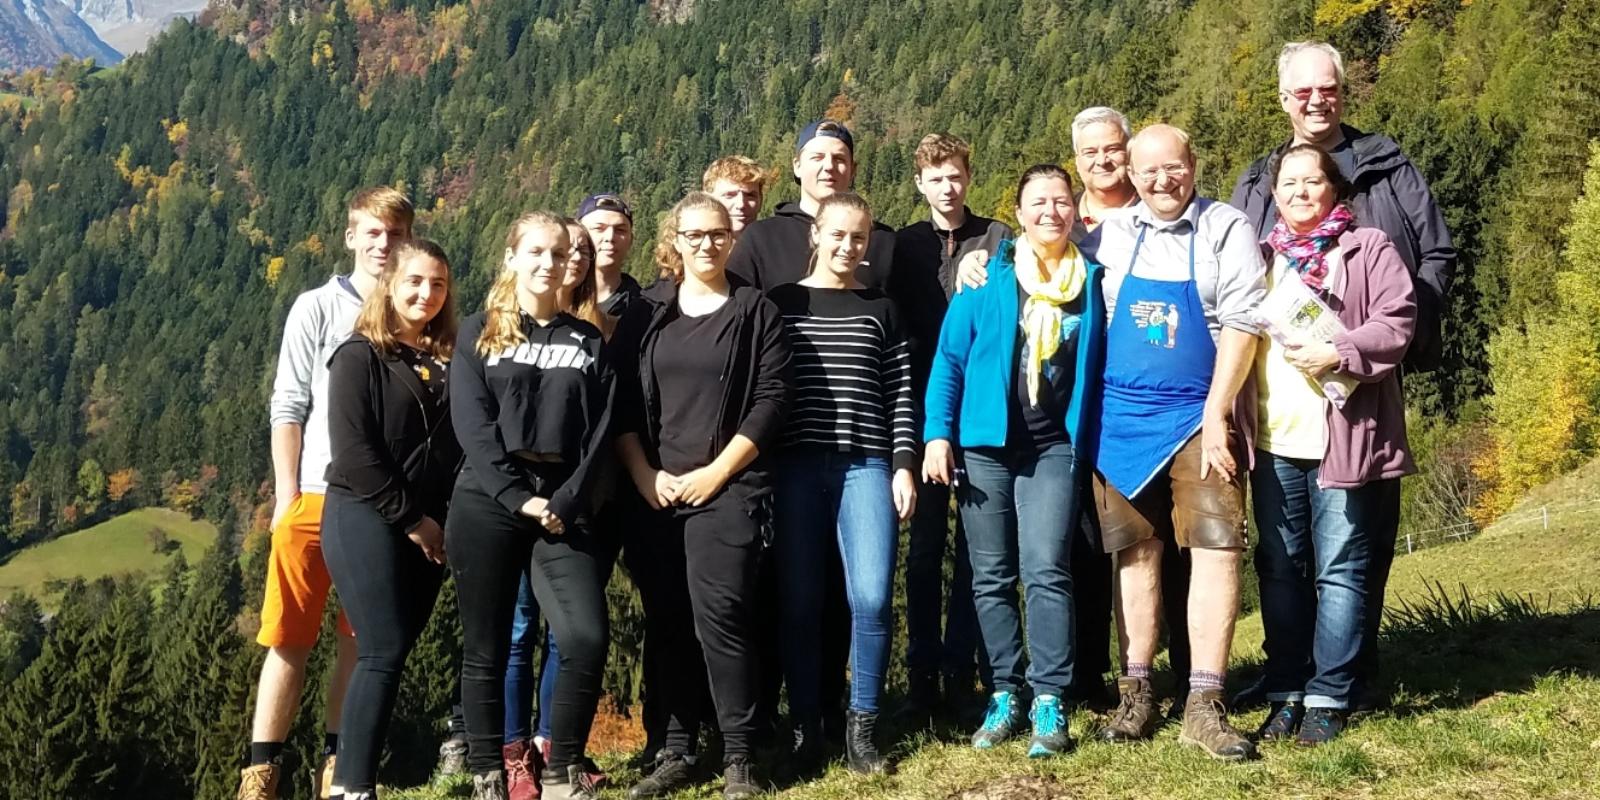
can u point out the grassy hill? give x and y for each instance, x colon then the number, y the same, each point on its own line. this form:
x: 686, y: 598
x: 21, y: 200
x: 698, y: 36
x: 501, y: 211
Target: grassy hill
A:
x: 125, y: 544
x: 1493, y: 645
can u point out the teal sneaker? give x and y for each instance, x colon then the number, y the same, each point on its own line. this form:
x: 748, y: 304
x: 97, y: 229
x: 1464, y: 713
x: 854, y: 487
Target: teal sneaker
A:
x: 1050, y: 734
x: 1000, y: 722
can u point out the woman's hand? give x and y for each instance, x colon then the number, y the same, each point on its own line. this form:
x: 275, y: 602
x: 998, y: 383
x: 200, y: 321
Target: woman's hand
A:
x: 973, y: 271
x: 697, y: 487
x: 539, y: 509
x: 1312, y: 358
x: 427, y: 535
x: 904, y: 489
x: 938, y: 462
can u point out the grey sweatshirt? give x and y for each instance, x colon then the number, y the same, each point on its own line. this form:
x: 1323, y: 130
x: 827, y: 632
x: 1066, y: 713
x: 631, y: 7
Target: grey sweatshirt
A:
x: 319, y: 321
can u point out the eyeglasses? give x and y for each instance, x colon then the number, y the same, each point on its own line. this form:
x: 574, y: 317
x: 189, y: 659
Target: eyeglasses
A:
x: 719, y: 237
x: 1174, y: 170
x: 610, y: 203
x: 1303, y: 94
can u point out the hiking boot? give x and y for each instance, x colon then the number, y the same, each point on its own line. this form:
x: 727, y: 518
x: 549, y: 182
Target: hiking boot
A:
x: 671, y: 773
x: 1321, y: 725
x: 572, y: 783
x: 739, y: 779
x: 1050, y: 734
x: 259, y: 782
x: 1283, y: 722
x: 1205, y: 725
x: 597, y: 777
x: 860, y: 751
x: 1000, y: 721
x: 452, y: 757
x: 322, y: 783
x: 1136, y: 716
x: 522, y: 763
x: 489, y: 786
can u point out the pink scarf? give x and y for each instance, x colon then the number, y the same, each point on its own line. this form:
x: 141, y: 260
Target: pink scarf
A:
x: 1307, y: 253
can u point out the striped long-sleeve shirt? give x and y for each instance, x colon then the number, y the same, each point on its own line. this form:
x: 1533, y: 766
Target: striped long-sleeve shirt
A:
x: 852, y: 373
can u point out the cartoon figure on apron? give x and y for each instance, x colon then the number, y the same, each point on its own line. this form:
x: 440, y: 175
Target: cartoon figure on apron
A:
x: 1172, y: 326
x: 1155, y: 327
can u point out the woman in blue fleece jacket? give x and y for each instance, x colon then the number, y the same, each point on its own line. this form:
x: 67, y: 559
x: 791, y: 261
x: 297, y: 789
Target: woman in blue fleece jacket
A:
x: 1016, y: 367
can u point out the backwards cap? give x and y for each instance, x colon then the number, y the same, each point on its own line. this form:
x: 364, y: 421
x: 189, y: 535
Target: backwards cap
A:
x: 605, y: 201
x: 828, y: 128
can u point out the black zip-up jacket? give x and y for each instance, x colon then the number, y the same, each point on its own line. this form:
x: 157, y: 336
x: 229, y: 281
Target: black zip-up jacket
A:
x: 550, y: 395
x: 777, y: 250
x: 755, y: 390
x: 1391, y: 195
x: 924, y: 278
x: 392, y: 447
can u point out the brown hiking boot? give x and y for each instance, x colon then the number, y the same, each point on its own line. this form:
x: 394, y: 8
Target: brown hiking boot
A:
x: 259, y: 782
x: 1205, y: 725
x: 1136, y: 717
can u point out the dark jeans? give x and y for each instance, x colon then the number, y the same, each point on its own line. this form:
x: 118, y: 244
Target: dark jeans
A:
x: 699, y: 611
x: 520, y: 686
x: 927, y: 651
x: 1021, y: 514
x: 387, y: 588
x: 826, y: 500
x: 1314, y: 560
x: 489, y: 549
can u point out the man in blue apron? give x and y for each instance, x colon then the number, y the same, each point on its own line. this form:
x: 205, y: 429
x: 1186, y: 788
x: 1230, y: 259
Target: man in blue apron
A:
x: 1170, y: 469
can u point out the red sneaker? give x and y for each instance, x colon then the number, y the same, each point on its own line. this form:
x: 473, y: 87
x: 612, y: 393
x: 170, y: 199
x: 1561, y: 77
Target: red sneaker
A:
x: 523, y: 765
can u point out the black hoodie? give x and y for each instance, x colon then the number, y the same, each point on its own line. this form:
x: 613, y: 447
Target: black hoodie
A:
x: 777, y: 250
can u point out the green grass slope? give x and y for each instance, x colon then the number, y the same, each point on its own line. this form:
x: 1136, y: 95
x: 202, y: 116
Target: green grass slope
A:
x: 1492, y: 645
x: 122, y: 545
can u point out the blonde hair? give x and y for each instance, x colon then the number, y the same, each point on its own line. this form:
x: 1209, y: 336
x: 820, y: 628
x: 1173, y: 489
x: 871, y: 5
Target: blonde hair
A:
x: 742, y: 170
x: 378, y: 320
x: 667, y: 257
x: 849, y: 201
x: 939, y: 148
x: 582, y: 304
x: 502, y: 328
x: 384, y: 203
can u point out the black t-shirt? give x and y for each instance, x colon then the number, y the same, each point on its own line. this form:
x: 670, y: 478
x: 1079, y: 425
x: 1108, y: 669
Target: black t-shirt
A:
x: 1040, y: 426
x: 618, y: 302
x: 690, y: 361
x: 429, y: 370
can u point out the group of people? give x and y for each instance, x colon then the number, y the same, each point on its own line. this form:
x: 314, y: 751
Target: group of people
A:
x: 1095, y: 389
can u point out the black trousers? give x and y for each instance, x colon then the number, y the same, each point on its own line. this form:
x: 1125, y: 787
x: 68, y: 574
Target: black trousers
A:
x: 387, y: 588
x: 488, y: 548
x: 699, y: 597
x: 1091, y: 598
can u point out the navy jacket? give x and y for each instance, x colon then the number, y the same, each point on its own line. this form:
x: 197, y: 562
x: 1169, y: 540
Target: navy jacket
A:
x: 1391, y: 195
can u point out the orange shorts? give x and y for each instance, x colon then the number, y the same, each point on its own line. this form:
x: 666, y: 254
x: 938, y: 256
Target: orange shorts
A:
x: 297, y: 579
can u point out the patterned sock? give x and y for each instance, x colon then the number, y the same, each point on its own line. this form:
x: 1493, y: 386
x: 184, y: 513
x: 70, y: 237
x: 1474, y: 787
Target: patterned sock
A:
x: 1137, y: 671
x: 330, y: 744
x: 1200, y: 680
x: 265, y: 753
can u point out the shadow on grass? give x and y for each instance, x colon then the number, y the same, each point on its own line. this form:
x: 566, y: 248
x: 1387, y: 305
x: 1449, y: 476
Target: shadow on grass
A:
x: 1452, y: 650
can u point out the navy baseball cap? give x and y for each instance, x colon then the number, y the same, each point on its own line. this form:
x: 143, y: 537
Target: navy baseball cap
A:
x: 828, y: 128
x: 605, y: 201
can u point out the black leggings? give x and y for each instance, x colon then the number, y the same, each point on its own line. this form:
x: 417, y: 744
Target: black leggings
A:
x: 488, y: 547
x: 699, y: 609
x: 387, y: 588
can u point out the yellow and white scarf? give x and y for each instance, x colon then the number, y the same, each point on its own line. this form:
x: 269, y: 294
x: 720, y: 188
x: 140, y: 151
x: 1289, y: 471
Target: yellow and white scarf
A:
x: 1041, y: 314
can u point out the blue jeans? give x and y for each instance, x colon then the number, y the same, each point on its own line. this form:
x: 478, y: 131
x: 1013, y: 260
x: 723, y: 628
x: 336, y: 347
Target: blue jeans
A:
x: 1315, y: 561
x: 827, y: 499
x: 1021, y: 513
x: 519, y: 669
x: 927, y: 652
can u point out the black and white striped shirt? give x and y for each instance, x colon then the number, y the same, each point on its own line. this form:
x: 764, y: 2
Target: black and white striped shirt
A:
x: 852, y: 373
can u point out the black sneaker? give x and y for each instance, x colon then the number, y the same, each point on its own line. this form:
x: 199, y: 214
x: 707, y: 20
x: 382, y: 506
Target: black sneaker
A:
x: 1283, y: 721
x: 739, y: 779
x: 670, y: 774
x: 1320, y: 726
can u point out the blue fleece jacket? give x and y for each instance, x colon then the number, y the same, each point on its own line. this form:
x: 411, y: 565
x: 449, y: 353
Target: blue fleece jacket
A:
x: 970, y: 385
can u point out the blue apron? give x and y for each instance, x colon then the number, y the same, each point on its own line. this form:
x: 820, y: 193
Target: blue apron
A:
x: 1159, y: 362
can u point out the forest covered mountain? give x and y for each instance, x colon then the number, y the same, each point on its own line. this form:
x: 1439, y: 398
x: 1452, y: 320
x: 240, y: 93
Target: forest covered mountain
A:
x: 35, y: 33
x: 159, y: 218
